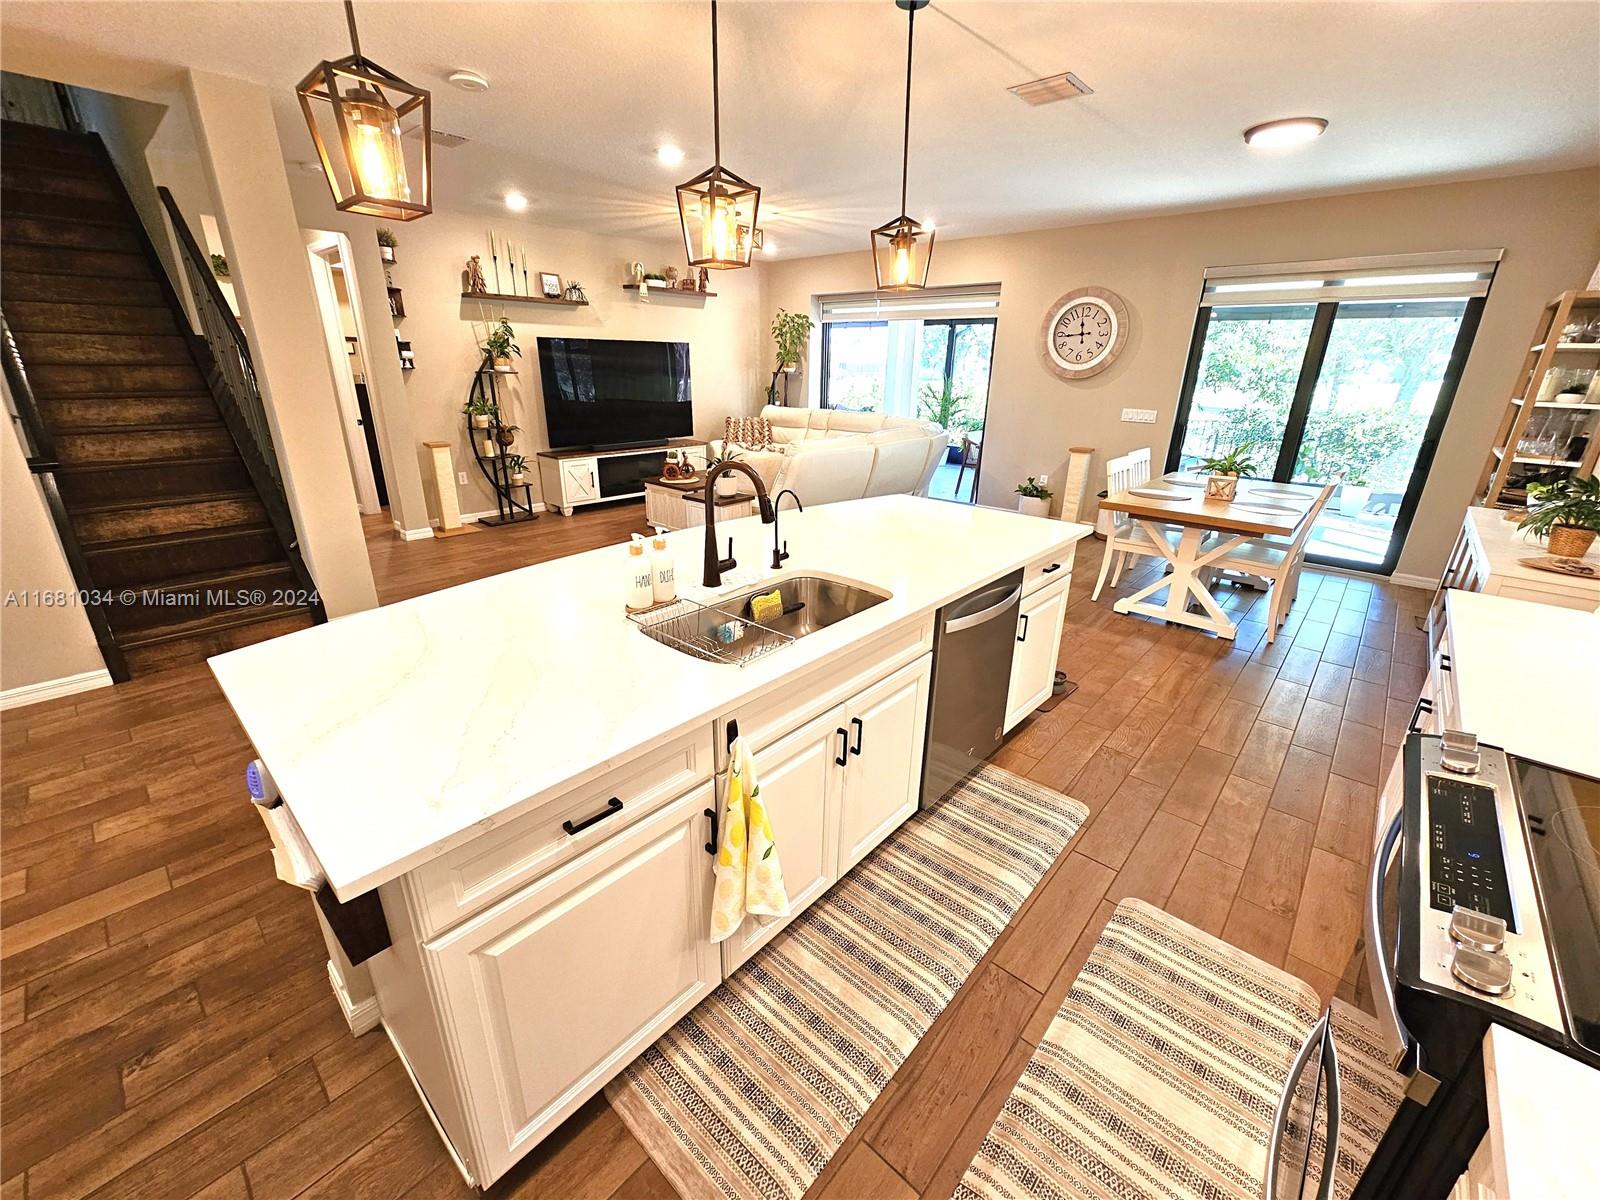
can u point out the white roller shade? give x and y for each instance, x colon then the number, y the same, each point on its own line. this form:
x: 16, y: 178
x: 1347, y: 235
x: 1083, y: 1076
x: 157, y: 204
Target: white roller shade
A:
x: 972, y: 300
x: 1445, y: 275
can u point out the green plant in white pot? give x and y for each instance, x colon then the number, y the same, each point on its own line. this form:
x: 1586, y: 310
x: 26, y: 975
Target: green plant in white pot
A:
x: 517, y: 469
x: 789, y: 334
x: 1566, y: 512
x: 1224, y: 472
x: 1033, y: 498
x: 1354, y: 493
x: 479, y: 410
x: 386, y: 243
x: 500, y: 345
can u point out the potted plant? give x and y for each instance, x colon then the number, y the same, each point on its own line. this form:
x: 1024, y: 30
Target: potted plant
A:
x: 507, y: 434
x: 479, y: 409
x: 1353, y: 495
x: 1566, y: 512
x: 517, y: 469
x: 219, y: 265
x: 500, y: 346
x: 1225, y: 472
x: 386, y: 243
x: 789, y: 334
x: 655, y: 279
x: 730, y: 483
x: 948, y: 407
x: 1033, y: 498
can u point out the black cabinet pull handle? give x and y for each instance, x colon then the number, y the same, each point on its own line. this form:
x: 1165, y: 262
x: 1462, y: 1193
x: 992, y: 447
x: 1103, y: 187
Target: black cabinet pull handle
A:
x: 1050, y: 568
x: 1444, y: 662
x: 1424, y: 705
x: 1023, y: 636
x: 711, y: 846
x: 844, y: 747
x: 856, y: 749
x: 613, y: 806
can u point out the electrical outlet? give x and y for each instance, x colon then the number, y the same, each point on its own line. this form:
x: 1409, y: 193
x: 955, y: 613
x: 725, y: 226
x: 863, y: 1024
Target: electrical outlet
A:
x: 1044, y: 479
x: 1139, y: 416
x: 461, y: 478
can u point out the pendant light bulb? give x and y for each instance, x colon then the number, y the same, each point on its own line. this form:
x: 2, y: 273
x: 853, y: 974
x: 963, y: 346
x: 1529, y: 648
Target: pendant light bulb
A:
x: 378, y: 163
x: 711, y: 206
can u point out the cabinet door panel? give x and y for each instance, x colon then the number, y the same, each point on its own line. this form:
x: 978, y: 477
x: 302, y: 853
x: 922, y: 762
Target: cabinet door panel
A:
x: 887, y: 728
x: 800, y: 781
x: 554, y: 990
x: 1033, y: 659
x: 578, y: 480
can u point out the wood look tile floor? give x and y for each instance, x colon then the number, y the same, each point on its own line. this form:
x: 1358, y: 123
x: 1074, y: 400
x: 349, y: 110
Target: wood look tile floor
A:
x: 168, y: 1029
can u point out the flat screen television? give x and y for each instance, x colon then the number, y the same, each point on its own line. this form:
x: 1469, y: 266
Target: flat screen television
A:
x: 605, y: 393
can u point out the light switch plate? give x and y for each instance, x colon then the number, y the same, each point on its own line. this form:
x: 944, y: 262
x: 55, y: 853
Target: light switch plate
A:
x: 1139, y: 416
x: 461, y: 478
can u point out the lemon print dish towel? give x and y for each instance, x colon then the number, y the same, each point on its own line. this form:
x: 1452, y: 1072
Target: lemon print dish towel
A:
x: 749, y: 878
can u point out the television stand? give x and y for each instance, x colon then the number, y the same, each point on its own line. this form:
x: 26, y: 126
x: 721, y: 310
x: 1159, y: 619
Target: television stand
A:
x: 571, y: 479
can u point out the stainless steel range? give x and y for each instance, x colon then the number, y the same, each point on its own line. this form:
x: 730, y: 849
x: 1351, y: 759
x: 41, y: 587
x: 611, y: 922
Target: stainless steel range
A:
x: 1493, y: 916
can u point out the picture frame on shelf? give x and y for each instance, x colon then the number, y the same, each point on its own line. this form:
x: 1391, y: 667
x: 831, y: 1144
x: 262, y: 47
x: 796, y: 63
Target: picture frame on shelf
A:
x: 550, y: 285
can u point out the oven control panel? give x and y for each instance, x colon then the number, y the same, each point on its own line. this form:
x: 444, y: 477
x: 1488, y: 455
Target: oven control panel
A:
x: 1481, y: 933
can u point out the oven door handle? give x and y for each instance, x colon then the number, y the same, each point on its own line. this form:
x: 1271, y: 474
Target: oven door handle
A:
x: 1404, y: 1051
x: 1318, y: 1041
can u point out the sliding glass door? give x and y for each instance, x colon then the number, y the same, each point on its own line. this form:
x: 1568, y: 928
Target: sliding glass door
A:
x: 1358, y: 386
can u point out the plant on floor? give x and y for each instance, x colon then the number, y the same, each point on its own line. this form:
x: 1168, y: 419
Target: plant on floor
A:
x: 1033, y: 497
x: 947, y: 406
x: 501, y: 344
x: 219, y: 266
x: 1567, y: 512
x: 1033, y: 489
x: 789, y: 334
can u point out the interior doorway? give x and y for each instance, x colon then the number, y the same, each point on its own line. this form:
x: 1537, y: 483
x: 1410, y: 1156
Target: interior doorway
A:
x: 339, y: 306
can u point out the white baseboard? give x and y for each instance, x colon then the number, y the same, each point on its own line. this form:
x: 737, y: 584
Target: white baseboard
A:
x: 360, y: 1016
x: 412, y: 535
x: 468, y: 518
x: 1414, y: 581
x: 54, y: 689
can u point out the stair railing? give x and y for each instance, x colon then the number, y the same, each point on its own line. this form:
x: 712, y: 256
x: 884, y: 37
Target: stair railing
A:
x: 39, y: 449
x: 221, y: 349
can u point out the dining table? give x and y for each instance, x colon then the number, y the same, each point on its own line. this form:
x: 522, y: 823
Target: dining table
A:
x: 1211, y: 530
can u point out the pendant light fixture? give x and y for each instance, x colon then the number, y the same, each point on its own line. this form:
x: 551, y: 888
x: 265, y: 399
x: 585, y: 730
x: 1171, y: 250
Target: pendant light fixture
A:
x: 367, y: 105
x: 717, y: 208
x: 903, y: 248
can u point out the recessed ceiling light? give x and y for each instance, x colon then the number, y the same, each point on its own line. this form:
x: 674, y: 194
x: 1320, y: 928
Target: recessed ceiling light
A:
x: 1291, y: 131
x: 516, y: 201
x: 669, y: 155
x: 469, y: 81
x: 769, y: 246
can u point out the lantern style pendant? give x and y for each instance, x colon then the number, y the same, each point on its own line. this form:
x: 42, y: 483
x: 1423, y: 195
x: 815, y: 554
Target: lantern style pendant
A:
x: 366, y: 106
x: 717, y: 208
x: 902, y: 248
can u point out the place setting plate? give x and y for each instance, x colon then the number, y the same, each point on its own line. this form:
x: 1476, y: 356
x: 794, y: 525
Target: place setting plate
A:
x: 1292, y: 493
x: 1273, y: 509
x: 1160, y: 492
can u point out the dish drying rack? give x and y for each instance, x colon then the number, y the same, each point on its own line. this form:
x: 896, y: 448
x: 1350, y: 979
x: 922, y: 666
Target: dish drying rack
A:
x: 691, y: 627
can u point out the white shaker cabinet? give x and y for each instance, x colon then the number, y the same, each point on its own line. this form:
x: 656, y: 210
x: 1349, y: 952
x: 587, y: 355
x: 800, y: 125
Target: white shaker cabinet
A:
x: 886, y: 725
x: 1033, y: 658
x: 549, y: 993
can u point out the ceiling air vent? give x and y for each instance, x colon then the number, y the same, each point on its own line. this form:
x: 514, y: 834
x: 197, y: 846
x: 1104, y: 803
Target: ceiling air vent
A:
x: 442, y: 138
x: 1051, y: 88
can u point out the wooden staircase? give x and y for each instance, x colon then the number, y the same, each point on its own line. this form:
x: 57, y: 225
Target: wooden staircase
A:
x: 156, y: 493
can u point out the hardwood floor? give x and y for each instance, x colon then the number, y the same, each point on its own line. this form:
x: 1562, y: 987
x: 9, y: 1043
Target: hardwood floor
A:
x: 169, y: 1031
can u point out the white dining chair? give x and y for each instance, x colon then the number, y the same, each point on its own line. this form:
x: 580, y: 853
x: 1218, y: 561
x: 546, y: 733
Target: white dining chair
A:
x: 1126, y: 536
x: 1278, y: 561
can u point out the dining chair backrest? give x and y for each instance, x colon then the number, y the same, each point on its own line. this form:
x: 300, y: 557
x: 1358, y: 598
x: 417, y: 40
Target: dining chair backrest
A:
x: 1119, y: 478
x: 1139, y: 460
x: 1317, y: 505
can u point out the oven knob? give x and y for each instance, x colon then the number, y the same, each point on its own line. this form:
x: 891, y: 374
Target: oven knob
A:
x: 1458, y: 752
x: 1486, y: 973
x: 1476, y: 930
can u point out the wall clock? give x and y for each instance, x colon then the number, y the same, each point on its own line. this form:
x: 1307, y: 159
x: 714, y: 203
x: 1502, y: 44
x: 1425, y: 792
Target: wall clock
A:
x: 1084, y: 331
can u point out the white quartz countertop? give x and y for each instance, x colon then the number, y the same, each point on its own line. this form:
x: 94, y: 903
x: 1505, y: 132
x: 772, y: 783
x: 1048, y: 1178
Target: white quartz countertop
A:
x: 1542, y: 1107
x: 400, y: 732
x: 1526, y: 677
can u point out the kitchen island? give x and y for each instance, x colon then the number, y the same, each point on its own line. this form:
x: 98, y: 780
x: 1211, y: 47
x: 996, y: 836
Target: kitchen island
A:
x: 528, y: 782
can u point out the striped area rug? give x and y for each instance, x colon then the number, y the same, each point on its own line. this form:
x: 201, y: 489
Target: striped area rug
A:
x: 752, y: 1093
x: 1160, y: 1075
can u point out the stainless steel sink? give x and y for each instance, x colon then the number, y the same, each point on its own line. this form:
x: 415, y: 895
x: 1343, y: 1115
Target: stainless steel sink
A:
x: 810, y: 603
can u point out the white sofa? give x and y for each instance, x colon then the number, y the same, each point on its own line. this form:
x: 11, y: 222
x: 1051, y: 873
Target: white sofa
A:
x: 827, y: 455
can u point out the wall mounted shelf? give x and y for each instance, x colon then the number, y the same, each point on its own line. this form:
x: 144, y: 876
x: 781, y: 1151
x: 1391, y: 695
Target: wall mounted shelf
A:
x: 499, y: 296
x: 663, y: 290
x: 397, y: 303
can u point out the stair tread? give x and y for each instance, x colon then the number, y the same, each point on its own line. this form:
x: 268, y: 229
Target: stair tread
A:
x: 142, y: 427
x: 215, y: 623
x: 182, y: 537
x: 164, y: 502
x: 214, y: 578
x: 121, y: 464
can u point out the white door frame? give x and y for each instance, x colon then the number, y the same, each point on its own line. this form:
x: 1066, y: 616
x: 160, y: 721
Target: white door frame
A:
x: 355, y: 441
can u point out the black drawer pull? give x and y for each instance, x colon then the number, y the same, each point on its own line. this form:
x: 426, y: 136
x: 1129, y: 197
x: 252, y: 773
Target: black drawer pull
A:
x: 1424, y: 705
x: 613, y: 806
x: 1023, y: 636
x: 1444, y: 662
x: 844, y: 747
x: 856, y: 749
x: 711, y: 846
x: 1051, y: 568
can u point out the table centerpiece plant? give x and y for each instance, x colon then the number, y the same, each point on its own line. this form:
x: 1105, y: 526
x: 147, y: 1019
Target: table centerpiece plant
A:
x: 1565, y: 512
x: 1224, y: 472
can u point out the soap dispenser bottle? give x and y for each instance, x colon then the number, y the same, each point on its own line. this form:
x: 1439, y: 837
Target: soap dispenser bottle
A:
x: 640, y: 590
x: 663, y: 572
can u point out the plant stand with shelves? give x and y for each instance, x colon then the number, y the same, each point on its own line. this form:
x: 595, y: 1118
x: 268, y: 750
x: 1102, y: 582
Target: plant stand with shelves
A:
x: 513, y: 501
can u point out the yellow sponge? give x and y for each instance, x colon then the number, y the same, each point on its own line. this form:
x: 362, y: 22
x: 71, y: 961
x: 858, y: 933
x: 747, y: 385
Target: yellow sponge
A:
x: 763, y: 608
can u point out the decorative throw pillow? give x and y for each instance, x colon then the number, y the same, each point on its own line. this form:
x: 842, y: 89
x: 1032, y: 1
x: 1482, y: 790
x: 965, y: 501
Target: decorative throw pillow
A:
x: 753, y: 433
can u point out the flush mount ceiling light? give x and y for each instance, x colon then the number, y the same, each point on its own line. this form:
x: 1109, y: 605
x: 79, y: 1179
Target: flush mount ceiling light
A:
x: 469, y: 81
x: 516, y: 202
x: 903, y: 248
x: 369, y: 173
x: 717, y: 208
x: 1291, y: 131
x: 669, y: 155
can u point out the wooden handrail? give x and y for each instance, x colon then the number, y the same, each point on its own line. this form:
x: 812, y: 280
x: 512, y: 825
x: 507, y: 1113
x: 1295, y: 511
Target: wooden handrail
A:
x: 205, y: 278
x: 40, y: 450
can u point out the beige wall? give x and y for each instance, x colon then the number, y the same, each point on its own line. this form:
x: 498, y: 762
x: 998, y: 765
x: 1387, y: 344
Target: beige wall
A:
x: 1546, y: 224
x: 444, y: 330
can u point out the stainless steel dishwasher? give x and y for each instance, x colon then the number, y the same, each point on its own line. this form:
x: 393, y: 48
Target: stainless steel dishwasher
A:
x: 972, y: 645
